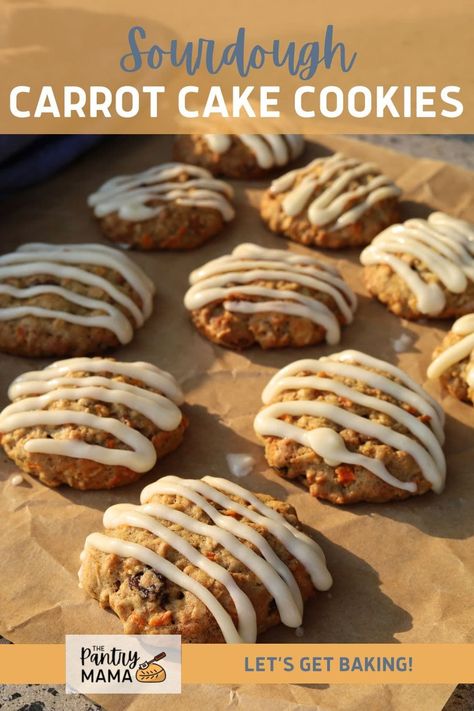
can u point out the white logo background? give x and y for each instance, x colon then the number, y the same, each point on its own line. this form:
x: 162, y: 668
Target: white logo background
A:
x: 108, y: 664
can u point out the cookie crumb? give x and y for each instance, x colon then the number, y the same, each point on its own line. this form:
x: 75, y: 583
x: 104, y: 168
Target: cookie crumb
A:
x: 240, y: 465
x: 402, y: 343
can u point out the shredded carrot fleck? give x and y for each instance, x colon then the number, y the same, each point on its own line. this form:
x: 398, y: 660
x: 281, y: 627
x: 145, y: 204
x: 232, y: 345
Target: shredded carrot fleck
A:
x: 137, y: 620
x: 345, y: 475
x: 146, y: 241
x: 161, y: 619
x: 230, y: 512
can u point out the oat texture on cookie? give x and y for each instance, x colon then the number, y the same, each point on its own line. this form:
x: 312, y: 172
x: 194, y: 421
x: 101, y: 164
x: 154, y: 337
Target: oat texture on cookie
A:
x: 75, y: 299
x: 333, y: 202
x: 453, y: 360
x: 169, y: 206
x: 423, y: 268
x: 240, y: 156
x: 352, y: 428
x: 269, y: 297
x: 203, y: 558
x: 92, y: 423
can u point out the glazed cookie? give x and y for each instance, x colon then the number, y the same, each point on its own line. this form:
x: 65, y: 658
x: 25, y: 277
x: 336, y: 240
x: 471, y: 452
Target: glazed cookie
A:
x: 333, y: 202
x: 352, y: 428
x: 242, y: 156
x: 453, y: 360
x: 62, y: 300
x: 423, y: 268
x: 269, y: 297
x: 170, y: 206
x: 92, y: 423
x: 205, y: 559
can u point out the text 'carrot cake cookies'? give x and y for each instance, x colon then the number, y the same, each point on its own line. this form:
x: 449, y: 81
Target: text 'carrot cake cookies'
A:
x: 61, y: 300
x: 353, y: 428
x: 92, y: 423
x: 204, y: 558
x: 169, y: 206
x: 269, y: 297
x: 423, y: 268
x: 241, y: 156
x: 453, y: 360
x: 333, y: 202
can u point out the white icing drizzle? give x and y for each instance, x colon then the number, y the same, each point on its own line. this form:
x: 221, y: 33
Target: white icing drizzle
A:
x: 229, y: 533
x: 270, y: 150
x: 240, y: 464
x: 218, y: 142
x: 231, y: 277
x: 425, y: 447
x: 38, y: 389
x: 336, y: 202
x: 457, y: 352
x: 72, y: 262
x: 443, y: 244
x: 134, y: 197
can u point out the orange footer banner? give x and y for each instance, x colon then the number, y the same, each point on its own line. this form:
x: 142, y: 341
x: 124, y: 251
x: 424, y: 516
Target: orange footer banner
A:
x: 268, y: 664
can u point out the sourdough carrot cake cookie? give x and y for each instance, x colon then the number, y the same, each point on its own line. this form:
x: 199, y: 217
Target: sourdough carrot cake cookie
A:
x: 453, y: 360
x: 206, y: 559
x: 61, y: 300
x: 169, y: 206
x: 333, y: 202
x: 423, y: 268
x: 352, y: 428
x: 242, y: 156
x: 269, y: 297
x: 92, y: 423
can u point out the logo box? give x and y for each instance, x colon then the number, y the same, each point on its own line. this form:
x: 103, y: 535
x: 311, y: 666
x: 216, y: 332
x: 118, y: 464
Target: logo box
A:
x: 123, y: 664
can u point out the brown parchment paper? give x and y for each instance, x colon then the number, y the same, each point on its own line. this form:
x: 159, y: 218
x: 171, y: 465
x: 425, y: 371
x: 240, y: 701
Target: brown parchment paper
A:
x: 403, y: 572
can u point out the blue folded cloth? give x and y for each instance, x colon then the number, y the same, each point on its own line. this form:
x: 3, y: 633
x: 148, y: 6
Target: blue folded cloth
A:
x: 26, y: 160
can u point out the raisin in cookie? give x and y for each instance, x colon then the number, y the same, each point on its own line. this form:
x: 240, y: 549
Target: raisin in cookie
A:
x: 333, y: 202
x: 352, y: 428
x: 423, y: 268
x: 269, y: 297
x: 205, y: 559
x: 64, y: 300
x: 170, y: 206
x: 241, y: 156
x: 453, y: 360
x: 92, y: 423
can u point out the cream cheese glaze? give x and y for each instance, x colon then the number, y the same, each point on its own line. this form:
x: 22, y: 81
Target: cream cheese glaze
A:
x: 62, y: 381
x: 457, y: 352
x: 229, y: 278
x: 207, y: 494
x: 443, y: 244
x: 71, y: 262
x: 424, y: 444
x: 143, y: 196
x: 323, y: 190
x: 270, y: 150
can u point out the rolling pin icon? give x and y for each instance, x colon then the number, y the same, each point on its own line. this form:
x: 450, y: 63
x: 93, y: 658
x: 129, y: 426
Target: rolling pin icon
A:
x: 151, y: 672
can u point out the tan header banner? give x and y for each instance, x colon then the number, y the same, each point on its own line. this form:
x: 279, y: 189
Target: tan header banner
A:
x: 268, y: 66
x: 274, y: 664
